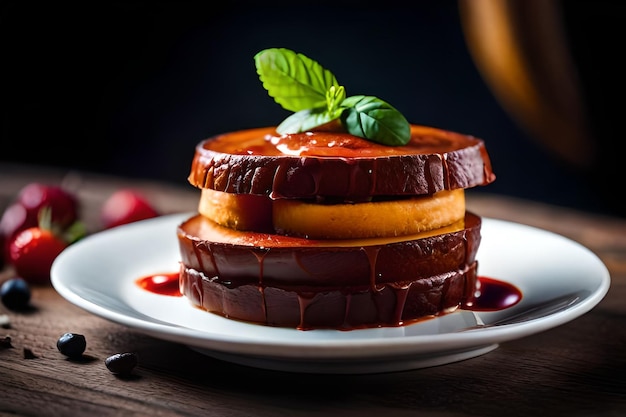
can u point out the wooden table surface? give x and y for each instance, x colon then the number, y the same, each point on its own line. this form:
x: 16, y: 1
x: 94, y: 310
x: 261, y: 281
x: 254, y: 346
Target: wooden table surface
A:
x: 577, y: 369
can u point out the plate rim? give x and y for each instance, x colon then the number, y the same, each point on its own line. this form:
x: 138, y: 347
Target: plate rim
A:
x: 322, y: 349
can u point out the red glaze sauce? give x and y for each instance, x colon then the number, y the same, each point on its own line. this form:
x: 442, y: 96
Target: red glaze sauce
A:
x: 335, y: 164
x: 266, y: 142
x: 162, y: 284
x: 491, y: 294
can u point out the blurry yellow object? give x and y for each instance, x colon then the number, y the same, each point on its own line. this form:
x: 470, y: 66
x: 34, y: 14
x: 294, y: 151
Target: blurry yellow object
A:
x: 520, y: 48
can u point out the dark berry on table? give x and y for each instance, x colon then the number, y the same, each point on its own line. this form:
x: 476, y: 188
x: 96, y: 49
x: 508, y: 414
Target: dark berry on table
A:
x: 5, y: 343
x: 15, y: 294
x: 72, y: 345
x: 121, y: 363
x: 29, y: 354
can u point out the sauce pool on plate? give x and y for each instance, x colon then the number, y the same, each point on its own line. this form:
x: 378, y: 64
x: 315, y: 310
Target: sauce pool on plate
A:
x: 162, y: 284
x: 491, y: 294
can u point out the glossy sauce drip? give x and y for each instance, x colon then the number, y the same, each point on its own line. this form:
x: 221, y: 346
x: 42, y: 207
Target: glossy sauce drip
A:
x: 162, y: 284
x: 401, y: 296
x: 260, y: 256
x: 372, y: 254
x: 491, y: 294
x: 304, y: 300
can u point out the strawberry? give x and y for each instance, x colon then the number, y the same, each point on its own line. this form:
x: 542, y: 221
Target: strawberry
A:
x: 126, y: 206
x: 63, y: 204
x: 14, y: 219
x: 32, y: 252
x: 25, y: 210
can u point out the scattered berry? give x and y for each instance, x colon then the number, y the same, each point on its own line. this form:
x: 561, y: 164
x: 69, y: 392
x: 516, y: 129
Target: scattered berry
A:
x: 26, y: 211
x: 32, y: 253
x: 121, y: 363
x: 5, y: 342
x: 29, y: 354
x: 126, y: 206
x: 15, y: 294
x: 63, y: 204
x: 14, y: 219
x: 72, y: 345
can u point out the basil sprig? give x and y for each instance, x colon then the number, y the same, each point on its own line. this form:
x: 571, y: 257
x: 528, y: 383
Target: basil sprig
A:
x: 301, y: 85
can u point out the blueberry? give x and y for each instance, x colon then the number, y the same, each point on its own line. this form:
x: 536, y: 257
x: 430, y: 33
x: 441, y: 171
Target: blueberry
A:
x: 15, y: 294
x: 72, y: 345
x: 121, y: 363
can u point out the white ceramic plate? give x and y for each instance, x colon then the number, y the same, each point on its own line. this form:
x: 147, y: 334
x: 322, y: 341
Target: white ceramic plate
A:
x: 559, y: 279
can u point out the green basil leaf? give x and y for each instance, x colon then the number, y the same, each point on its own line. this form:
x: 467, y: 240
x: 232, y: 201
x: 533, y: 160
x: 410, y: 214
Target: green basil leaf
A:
x: 374, y: 119
x: 306, y: 120
x: 295, y: 81
x: 334, y: 97
x: 303, y: 86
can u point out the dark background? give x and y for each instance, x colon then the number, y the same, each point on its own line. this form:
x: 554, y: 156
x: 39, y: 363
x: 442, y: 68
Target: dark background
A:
x: 129, y: 88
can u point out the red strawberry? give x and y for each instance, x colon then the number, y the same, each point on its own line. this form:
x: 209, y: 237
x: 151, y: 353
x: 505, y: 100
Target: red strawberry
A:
x: 14, y: 219
x: 126, y: 206
x: 24, y: 212
x: 32, y: 252
x: 63, y: 204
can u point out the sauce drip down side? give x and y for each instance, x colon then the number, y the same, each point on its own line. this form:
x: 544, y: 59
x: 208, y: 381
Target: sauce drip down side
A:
x: 491, y: 294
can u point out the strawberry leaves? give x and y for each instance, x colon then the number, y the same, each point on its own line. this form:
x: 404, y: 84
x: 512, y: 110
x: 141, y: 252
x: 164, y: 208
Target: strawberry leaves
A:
x: 44, y: 220
x: 303, y: 86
